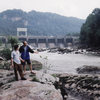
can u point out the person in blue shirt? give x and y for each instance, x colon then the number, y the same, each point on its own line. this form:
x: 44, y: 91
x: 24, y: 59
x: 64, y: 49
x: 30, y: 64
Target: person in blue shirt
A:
x: 25, y: 50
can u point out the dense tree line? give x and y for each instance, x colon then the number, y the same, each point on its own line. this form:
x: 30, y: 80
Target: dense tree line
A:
x: 90, y: 30
x: 38, y: 23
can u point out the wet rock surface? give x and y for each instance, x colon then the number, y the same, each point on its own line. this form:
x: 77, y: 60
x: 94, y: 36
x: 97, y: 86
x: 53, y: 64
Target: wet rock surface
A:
x: 68, y: 50
x: 6, y: 77
x: 75, y: 50
x: 61, y: 50
x: 88, y: 69
x: 81, y: 87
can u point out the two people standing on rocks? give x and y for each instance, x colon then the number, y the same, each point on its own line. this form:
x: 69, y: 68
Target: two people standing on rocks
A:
x: 19, y: 57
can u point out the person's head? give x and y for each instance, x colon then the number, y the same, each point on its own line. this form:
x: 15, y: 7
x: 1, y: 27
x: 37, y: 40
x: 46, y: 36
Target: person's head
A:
x: 25, y: 43
x: 16, y: 47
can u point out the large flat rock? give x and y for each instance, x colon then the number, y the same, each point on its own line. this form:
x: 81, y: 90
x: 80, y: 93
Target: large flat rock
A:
x: 28, y: 90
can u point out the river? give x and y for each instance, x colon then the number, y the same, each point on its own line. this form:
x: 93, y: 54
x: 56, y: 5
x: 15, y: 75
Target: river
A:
x: 66, y: 63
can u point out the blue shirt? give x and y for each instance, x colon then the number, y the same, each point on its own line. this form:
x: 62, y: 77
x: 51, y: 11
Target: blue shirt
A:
x: 24, y: 50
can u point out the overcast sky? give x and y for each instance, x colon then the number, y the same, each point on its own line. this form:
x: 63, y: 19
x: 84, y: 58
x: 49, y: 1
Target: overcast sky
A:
x: 75, y: 8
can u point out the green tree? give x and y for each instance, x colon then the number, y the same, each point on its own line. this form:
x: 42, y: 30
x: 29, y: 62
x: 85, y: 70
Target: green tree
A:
x: 90, y: 30
x: 0, y: 42
x: 6, y: 53
x: 13, y: 41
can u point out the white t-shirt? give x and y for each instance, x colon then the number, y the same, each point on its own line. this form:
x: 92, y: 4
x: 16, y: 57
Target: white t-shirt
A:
x: 16, y: 55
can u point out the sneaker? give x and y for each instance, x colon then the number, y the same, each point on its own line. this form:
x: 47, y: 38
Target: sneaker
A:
x: 23, y: 78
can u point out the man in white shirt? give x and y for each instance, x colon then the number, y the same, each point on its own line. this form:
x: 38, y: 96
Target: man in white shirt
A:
x: 16, y: 63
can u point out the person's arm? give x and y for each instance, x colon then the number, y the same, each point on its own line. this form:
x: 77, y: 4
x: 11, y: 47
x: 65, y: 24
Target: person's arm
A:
x: 30, y: 50
x: 36, y: 52
x: 20, y: 49
x: 21, y: 59
x: 12, y: 64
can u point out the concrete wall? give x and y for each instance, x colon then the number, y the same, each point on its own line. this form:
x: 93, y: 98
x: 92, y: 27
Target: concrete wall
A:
x: 44, y: 41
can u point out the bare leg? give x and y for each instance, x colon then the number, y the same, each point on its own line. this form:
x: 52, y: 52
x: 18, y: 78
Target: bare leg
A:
x: 31, y: 68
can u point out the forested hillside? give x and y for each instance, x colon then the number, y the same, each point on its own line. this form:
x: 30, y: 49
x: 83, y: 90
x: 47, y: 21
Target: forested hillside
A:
x: 38, y: 23
x: 90, y: 31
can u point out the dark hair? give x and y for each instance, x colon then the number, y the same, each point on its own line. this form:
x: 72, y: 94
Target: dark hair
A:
x: 24, y: 42
x: 15, y: 47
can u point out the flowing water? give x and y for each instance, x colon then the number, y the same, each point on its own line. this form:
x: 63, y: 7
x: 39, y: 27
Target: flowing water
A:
x: 66, y: 63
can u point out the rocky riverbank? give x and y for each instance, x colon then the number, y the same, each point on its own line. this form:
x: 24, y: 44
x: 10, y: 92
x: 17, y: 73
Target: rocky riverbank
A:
x: 44, y: 86
x: 39, y: 87
x: 83, y: 86
x: 36, y: 87
x: 86, y: 69
x: 75, y: 51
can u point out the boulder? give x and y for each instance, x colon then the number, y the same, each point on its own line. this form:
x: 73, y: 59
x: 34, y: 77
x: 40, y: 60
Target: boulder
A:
x: 45, y: 78
x: 36, y: 87
x: 6, y: 77
x: 88, y: 69
x: 27, y: 90
x: 36, y: 65
x: 83, y: 87
x: 5, y: 64
x: 41, y: 77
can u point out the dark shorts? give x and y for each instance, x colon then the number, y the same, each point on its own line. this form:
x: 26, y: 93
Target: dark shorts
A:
x: 28, y: 62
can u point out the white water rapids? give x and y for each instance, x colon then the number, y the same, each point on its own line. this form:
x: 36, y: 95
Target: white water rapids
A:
x: 66, y: 63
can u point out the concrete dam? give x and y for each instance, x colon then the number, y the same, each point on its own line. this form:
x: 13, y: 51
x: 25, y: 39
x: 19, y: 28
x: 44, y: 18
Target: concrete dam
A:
x: 46, y: 41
